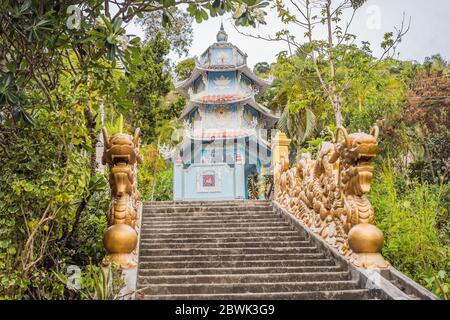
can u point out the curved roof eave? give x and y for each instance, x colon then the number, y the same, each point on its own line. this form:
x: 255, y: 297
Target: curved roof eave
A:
x: 183, y: 85
x: 186, y: 144
x: 265, y: 111
x: 272, y: 118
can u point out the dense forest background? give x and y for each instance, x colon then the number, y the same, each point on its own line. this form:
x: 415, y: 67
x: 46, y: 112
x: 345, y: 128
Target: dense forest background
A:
x: 60, y: 84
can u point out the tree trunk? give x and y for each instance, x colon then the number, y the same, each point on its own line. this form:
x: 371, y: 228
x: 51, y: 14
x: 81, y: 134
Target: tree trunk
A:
x: 93, y: 134
x: 337, y: 103
x: 336, y: 99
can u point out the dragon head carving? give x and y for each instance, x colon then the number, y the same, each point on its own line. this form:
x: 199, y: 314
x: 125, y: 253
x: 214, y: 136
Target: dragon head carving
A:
x: 121, y: 147
x: 355, y: 154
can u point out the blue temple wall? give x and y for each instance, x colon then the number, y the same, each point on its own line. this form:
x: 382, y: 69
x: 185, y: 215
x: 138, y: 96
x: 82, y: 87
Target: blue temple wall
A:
x: 245, y: 83
x: 209, y: 182
x: 216, y: 119
x: 222, y: 56
x: 205, y: 171
x: 222, y: 82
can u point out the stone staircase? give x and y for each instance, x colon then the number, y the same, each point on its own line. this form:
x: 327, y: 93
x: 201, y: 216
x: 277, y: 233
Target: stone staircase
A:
x: 234, y: 250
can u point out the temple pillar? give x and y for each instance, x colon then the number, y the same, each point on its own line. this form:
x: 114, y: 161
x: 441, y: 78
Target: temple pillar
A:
x: 178, y: 180
x: 280, y: 157
x: 239, y: 180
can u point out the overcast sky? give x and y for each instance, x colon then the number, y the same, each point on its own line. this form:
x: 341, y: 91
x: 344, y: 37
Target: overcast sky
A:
x: 428, y: 34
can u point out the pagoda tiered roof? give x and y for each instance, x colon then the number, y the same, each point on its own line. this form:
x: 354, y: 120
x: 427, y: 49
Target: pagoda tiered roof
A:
x: 267, y: 113
x: 183, y: 86
x: 223, y: 56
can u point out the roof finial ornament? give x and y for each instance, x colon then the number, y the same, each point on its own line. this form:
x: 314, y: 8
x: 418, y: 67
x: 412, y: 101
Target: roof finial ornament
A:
x: 222, y: 35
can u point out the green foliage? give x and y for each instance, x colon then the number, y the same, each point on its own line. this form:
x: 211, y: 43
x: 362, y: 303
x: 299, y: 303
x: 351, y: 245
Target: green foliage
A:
x: 415, y: 221
x: 371, y: 92
x: 148, y: 85
x: 155, y: 176
x: 440, y: 284
x: 178, y: 31
x: 184, y: 68
x: 43, y: 180
x: 98, y: 283
x: 164, y: 185
x: 93, y: 283
x: 59, y: 65
x: 411, y: 197
x: 262, y: 69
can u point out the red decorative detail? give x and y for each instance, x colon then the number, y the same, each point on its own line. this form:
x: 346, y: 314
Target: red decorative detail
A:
x: 222, y: 66
x: 222, y: 98
x: 209, y: 180
x: 222, y: 134
x: 178, y: 160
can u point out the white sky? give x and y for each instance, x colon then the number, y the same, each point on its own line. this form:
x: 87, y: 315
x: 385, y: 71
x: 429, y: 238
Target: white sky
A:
x: 428, y: 34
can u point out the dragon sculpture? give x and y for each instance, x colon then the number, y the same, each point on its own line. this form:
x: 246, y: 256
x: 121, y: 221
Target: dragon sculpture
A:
x: 122, y: 155
x: 328, y: 195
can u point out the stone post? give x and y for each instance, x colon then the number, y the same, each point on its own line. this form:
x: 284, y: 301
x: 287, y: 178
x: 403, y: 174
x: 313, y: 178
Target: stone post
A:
x: 280, y: 158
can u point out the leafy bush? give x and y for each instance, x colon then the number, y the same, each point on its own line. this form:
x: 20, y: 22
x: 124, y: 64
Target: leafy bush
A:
x: 44, y: 177
x: 164, y: 185
x: 154, y: 166
x: 415, y: 222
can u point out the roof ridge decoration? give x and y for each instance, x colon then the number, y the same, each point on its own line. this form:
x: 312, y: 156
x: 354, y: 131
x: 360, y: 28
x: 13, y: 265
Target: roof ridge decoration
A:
x: 222, y: 36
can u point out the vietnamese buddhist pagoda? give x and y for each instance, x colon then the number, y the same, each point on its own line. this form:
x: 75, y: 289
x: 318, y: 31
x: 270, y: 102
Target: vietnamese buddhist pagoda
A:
x: 226, y: 140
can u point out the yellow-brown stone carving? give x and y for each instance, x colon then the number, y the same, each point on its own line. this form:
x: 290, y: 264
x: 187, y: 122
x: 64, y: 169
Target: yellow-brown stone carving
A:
x: 328, y: 195
x: 122, y: 155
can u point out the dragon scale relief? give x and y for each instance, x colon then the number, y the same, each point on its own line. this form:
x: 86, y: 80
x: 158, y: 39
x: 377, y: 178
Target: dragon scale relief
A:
x: 328, y: 194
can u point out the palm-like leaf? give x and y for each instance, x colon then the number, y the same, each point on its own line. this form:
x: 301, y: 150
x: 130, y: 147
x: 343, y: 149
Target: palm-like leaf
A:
x: 282, y: 123
x: 310, y: 124
x: 299, y: 126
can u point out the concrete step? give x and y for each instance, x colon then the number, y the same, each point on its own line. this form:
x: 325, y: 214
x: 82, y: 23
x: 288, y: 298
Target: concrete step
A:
x: 150, y: 252
x: 204, y: 220
x: 252, y: 228
x: 233, y: 271
x: 200, y: 207
x: 236, y: 264
x: 257, y: 287
x: 150, y: 238
x: 208, y: 214
x: 245, y: 278
x: 232, y: 257
x: 227, y: 224
x: 233, y: 250
x: 189, y: 209
x: 215, y: 203
x: 216, y: 235
x: 209, y: 218
x: 356, y: 294
x: 221, y: 245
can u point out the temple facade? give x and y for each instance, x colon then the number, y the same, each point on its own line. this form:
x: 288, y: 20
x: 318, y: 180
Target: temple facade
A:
x: 226, y: 131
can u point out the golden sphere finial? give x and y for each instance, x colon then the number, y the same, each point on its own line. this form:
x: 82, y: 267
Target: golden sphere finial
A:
x: 120, y: 238
x: 365, y: 238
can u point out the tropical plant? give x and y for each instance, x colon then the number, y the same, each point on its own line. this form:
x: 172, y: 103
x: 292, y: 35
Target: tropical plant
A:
x: 415, y: 221
x: 61, y: 63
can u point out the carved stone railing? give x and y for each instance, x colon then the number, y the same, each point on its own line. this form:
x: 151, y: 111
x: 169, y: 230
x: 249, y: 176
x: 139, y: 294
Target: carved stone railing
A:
x: 122, y: 155
x: 327, y: 194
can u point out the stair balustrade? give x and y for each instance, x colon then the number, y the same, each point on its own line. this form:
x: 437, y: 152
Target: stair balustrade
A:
x: 328, y: 194
x: 121, y: 154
